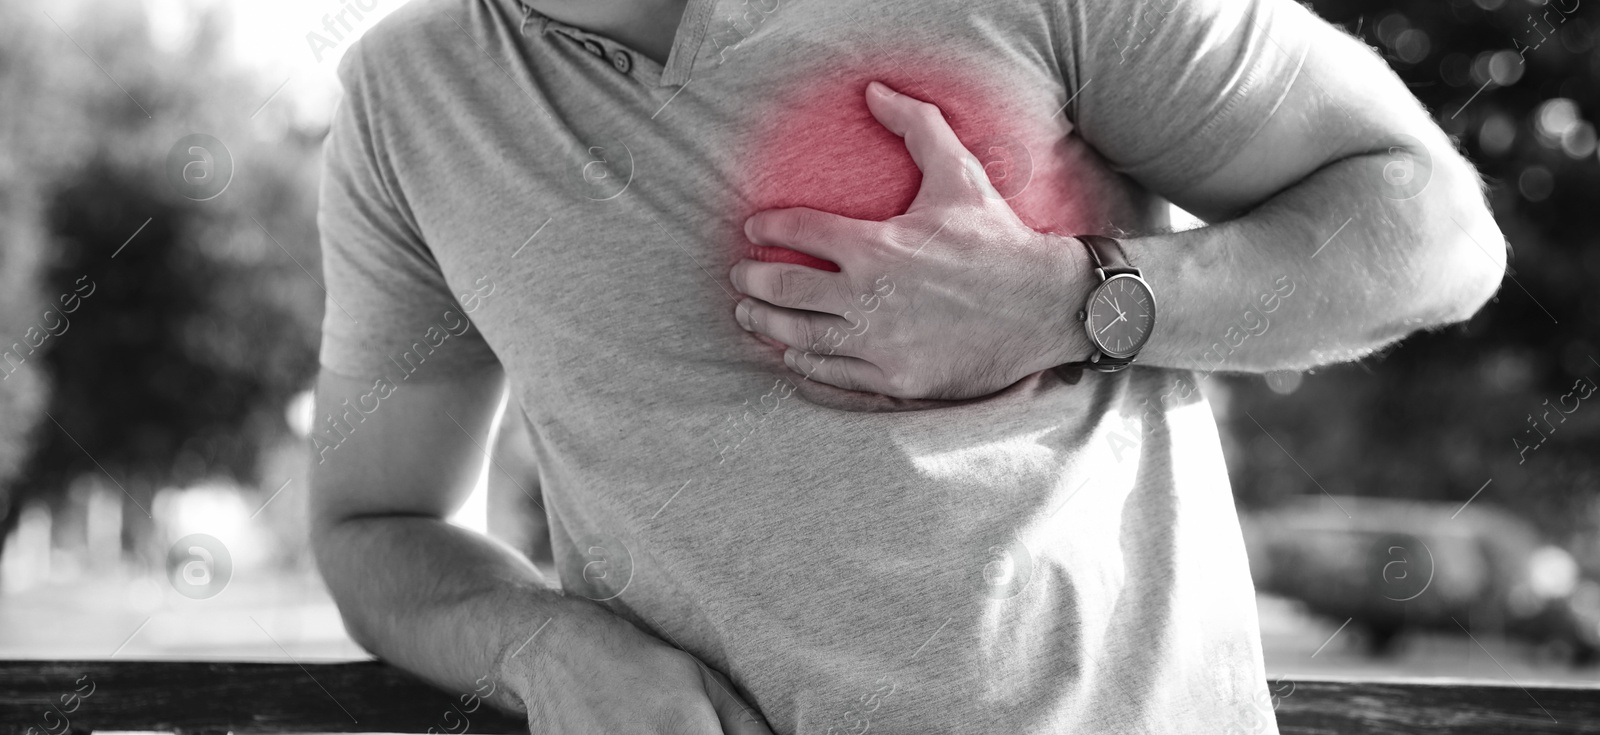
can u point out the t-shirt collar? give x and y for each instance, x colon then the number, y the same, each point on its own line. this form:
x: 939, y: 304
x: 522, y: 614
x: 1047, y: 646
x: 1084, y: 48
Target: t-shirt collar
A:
x: 688, y: 42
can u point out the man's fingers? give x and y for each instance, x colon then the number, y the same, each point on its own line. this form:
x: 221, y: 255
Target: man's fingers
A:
x: 945, y: 162
x: 792, y: 286
x: 737, y: 718
x: 815, y: 233
x: 824, y: 334
x: 849, y: 373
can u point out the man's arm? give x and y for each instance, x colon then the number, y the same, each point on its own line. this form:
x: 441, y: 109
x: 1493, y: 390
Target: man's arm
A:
x: 1355, y: 199
x: 378, y: 504
x: 1360, y: 224
x: 465, y: 612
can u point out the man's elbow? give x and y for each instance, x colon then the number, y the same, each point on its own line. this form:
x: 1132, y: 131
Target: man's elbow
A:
x: 1481, y: 282
x: 1469, y: 260
x: 332, y: 547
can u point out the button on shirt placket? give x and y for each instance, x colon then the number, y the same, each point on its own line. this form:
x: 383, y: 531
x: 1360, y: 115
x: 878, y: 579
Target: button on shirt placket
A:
x: 620, y: 60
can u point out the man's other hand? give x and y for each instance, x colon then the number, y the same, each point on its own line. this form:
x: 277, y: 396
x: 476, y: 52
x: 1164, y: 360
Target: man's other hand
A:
x: 595, y: 672
x: 956, y: 298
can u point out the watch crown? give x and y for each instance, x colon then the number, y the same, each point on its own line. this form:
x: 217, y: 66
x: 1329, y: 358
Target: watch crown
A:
x: 1083, y: 316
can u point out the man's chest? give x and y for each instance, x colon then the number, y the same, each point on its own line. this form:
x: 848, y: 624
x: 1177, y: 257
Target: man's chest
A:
x: 611, y: 188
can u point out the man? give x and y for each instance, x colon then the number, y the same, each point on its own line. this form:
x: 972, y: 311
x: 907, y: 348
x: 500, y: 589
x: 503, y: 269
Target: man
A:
x: 829, y: 401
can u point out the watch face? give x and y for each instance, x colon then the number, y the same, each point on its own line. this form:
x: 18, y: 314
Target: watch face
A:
x: 1120, y: 315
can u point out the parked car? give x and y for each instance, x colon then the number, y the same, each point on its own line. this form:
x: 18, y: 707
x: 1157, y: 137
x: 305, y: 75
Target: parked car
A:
x: 1393, y: 565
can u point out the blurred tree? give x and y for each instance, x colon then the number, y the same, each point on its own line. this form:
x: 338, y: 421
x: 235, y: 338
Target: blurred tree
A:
x: 197, y: 322
x: 23, y: 388
x: 1515, y: 83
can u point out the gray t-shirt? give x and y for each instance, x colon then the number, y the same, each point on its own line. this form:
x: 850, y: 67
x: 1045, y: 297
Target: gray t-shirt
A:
x: 1061, y: 556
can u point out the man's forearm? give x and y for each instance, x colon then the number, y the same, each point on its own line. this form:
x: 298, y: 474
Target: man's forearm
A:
x: 1328, y: 270
x: 438, y: 600
x: 1331, y: 267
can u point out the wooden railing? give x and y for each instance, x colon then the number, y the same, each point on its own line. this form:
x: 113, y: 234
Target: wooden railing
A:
x: 58, y: 697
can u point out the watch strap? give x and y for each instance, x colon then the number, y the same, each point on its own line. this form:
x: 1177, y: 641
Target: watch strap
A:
x: 1103, y: 363
x: 1107, y: 254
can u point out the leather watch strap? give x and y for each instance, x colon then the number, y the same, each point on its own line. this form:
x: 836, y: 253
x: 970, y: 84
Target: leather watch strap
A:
x: 1107, y: 254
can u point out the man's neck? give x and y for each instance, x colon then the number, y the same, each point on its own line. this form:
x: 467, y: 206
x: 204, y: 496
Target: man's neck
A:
x: 648, y: 26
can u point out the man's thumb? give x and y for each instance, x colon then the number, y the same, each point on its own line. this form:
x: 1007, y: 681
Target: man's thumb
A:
x: 737, y: 718
x: 946, y: 165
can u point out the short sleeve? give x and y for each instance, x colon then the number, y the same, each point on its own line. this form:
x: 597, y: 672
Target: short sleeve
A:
x: 387, y: 300
x: 1169, y: 91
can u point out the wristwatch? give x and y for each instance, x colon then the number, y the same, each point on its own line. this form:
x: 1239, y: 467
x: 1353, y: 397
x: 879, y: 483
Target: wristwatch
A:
x: 1121, y: 310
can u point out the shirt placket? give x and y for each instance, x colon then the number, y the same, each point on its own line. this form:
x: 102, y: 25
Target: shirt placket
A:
x: 691, y: 36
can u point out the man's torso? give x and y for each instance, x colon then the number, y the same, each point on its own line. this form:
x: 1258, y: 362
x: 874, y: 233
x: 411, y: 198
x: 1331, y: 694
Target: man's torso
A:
x: 1061, y: 556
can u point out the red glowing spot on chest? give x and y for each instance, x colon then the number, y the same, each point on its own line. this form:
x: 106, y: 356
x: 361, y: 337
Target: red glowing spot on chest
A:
x: 826, y: 151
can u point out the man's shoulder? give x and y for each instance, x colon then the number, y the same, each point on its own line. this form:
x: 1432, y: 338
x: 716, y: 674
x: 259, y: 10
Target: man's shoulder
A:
x: 419, y: 39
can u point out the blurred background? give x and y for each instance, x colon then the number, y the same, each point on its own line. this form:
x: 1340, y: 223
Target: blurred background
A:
x: 1432, y: 511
